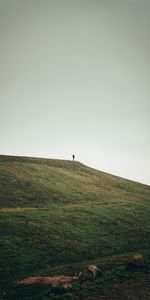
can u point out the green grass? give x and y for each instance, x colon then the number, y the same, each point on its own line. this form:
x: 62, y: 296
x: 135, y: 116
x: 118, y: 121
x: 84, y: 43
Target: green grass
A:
x: 57, y: 216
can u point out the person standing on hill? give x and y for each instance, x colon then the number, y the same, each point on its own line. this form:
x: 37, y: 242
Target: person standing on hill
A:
x: 73, y: 156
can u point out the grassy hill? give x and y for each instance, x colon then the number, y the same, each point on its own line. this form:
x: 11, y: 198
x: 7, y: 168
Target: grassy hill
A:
x: 58, y: 215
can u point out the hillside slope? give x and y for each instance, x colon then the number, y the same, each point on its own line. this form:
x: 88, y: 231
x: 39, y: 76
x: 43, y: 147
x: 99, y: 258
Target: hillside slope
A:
x: 62, y: 214
x: 33, y: 182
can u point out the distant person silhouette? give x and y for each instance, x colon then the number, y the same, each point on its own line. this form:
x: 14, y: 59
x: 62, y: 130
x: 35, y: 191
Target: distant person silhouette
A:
x: 73, y: 156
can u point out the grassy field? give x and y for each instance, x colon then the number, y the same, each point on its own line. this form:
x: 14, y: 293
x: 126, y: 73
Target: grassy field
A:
x: 58, y: 216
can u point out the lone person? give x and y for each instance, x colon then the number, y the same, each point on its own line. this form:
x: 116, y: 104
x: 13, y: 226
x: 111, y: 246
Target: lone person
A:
x: 73, y: 156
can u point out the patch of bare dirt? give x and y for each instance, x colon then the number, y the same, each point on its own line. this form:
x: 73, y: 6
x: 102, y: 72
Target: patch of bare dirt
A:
x: 51, y: 280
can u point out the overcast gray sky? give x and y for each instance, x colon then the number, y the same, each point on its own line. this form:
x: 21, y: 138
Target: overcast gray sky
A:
x: 75, y: 78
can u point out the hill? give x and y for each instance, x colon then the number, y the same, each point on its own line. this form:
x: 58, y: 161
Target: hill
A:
x: 57, y: 216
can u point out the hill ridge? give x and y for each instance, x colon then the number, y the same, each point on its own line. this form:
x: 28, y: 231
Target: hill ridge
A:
x: 60, y: 163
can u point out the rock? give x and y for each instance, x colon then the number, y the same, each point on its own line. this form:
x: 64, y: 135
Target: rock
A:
x: 90, y: 273
x: 137, y: 258
x: 137, y: 263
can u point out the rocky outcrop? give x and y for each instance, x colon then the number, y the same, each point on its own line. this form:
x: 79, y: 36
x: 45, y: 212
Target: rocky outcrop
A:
x: 137, y: 263
x: 90, y: 273
x: 61, y: 282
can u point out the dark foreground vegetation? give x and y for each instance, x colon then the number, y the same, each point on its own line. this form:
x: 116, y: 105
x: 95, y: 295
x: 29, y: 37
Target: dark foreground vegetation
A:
x: 59, y: 216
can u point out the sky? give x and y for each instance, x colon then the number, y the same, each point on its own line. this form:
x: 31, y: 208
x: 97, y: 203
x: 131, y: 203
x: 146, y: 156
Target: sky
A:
x: 75, y: 78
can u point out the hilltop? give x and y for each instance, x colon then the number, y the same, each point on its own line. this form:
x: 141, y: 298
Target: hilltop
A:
x: 59, y: 215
